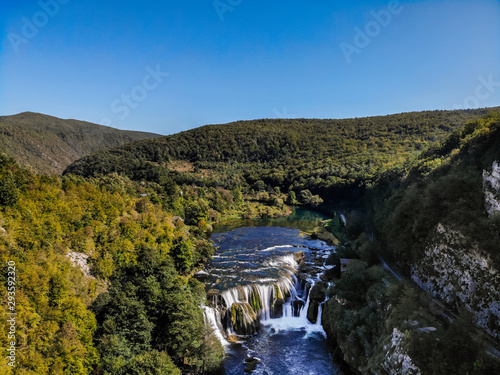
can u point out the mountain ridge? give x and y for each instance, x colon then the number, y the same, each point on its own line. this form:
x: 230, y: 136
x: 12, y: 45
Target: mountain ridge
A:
x: 320, y: 152
x: 48, y: 144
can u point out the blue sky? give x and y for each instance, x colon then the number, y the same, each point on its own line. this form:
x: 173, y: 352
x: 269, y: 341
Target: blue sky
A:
x: 167, y: 66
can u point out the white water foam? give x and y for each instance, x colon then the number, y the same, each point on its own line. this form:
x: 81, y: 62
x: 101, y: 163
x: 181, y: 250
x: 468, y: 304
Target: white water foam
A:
x: 289, y: 322
x: 277, y: 247
x: 264, y: 292
x: 211, y: 319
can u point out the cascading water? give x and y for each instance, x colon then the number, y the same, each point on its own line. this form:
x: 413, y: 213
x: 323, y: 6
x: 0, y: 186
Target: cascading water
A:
x: 259, y: 299
x: 212, y: 320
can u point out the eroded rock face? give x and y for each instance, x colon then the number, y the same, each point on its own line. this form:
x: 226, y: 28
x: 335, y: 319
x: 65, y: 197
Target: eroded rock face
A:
x: 454, y: 270
x: 397, y: 360
x: 80, y: 260
x: 491, y: 187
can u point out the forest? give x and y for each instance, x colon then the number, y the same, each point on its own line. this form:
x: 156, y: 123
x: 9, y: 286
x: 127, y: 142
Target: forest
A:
x: 443, y: 188
x: 48, y: 144
x: 333, y: 160
x: 135, y: 312
x: 140, y: 216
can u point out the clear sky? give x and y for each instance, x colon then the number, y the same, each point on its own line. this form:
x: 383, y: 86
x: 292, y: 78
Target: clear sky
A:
x: 167, y: 66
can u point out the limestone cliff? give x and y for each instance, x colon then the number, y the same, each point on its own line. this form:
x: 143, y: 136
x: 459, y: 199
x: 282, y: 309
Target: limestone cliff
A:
x: 491, y: 186
x: 455, y: 269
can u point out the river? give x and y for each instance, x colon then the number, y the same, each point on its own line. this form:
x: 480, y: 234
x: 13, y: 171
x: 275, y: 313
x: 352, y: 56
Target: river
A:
x: 260, y: 303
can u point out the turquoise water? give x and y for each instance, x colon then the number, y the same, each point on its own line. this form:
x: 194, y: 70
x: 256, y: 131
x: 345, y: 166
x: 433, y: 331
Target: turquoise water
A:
x: 300, y: 218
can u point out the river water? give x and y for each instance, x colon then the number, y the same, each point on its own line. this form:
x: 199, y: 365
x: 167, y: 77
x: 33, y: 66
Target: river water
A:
x: 254, y: 277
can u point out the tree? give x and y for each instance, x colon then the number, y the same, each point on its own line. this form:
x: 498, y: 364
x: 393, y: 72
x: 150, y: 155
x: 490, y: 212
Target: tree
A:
x: 237, y: 196
x: 182, y: 253
x: 152, y: 363
x: 8, y: 191
x: 196, y: 211
x: 292, y: 198
x: 308, y: 199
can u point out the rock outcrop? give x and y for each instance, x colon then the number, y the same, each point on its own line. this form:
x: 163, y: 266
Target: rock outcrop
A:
x: 397, y: 360
x: 491, y: 186
x: 457, y: 272
x: 80, y: 260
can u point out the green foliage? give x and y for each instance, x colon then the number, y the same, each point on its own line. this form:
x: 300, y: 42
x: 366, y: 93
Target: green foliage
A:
x: 122, y: 217
x: 308, y: 199
x: 8, y: 190
x: 182, y: 254
x: 151, y: 363
x: 443, y: 186
x: 292, y: 198
x: 148, y: 307
x: 335, y: 159
x: 195, y: 211
x: 455, y: 350
x: 148, y: 314
x: 367, y: 308
x: 49, y: 144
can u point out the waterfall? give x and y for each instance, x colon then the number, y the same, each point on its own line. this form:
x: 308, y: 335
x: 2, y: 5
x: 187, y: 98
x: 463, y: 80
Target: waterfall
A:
x: 244, y: 308
x: 265, y: 301
x: 272, y: 296
x: 343, y: 219
x: 213, y: 322
x: 303, y: 311
x: 320, y: 312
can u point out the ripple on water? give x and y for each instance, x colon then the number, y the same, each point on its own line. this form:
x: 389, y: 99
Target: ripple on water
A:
x: 287, y: 345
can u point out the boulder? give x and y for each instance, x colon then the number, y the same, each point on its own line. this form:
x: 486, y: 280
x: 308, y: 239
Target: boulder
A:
x: 317, y: 295
x: 251, y: 364
x: 243, y: 319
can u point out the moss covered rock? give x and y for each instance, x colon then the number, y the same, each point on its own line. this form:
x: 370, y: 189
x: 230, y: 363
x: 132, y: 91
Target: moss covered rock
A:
x: 278, y: 301
x: 244, y: 319
x: 251, y: 364
x: 317, y: 295
x: 255, y: 300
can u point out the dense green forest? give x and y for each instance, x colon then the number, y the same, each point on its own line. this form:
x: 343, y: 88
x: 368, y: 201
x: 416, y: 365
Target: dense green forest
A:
x: 327, y: 157
x: 136, y: 312
x: 435, y: 204
x: 443, y: 186
x: 136, y: 309
x: 140, y: 216
x: 49, y: 144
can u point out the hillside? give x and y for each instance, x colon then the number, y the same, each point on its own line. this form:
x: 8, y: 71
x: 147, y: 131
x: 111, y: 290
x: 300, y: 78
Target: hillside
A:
x: 442, y: 224
x: 429, y: 203
x: 294, y: 154
x: 438, y: 220
x: 49, y: 144
x: 102, y: 279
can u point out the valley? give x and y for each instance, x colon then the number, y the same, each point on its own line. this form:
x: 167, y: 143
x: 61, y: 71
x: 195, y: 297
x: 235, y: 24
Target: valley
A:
x: 220, y: 249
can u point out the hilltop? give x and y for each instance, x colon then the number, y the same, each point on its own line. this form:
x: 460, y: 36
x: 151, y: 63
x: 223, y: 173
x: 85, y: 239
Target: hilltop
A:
x: 292, y: 154
x: 49, y: 144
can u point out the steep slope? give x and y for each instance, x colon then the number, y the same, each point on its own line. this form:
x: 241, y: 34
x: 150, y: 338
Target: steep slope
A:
x: 49, y: 144
x: 291, y: 154
x: 95, y: 279
x: 438, y: 219
x: 441, y: 221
